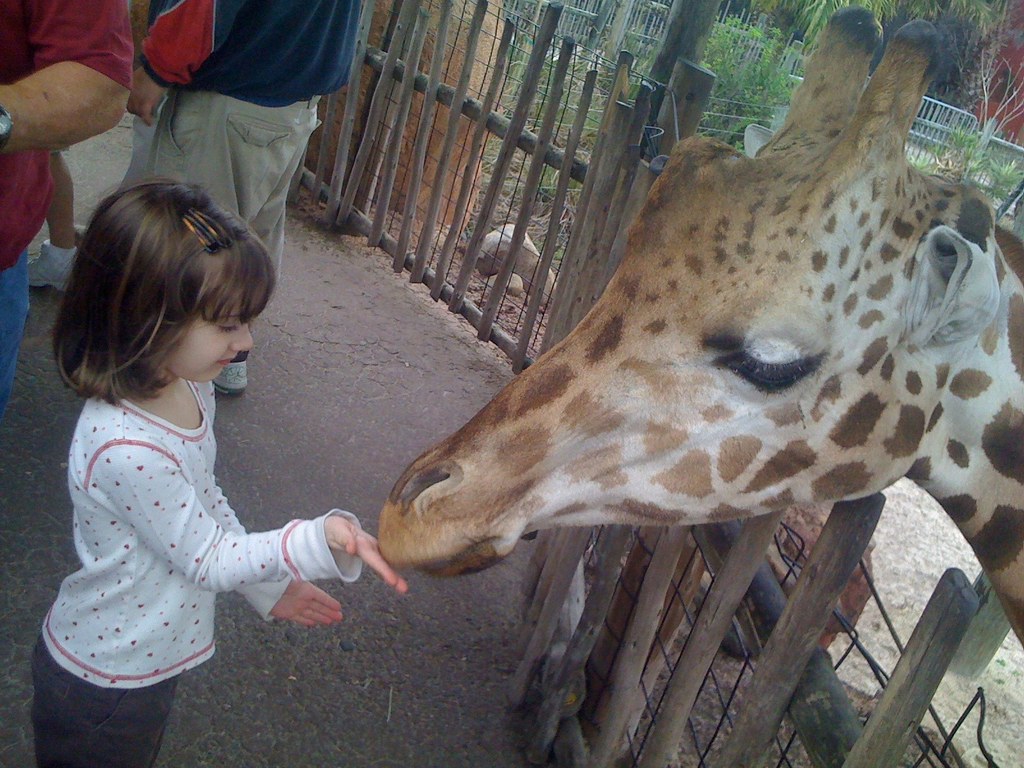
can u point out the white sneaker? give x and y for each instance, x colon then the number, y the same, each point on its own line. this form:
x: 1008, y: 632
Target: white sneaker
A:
x: 232, y: 380
x: 51, y: 267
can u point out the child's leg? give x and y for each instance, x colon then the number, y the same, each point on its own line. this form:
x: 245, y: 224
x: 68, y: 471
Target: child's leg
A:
x: 80, y: 725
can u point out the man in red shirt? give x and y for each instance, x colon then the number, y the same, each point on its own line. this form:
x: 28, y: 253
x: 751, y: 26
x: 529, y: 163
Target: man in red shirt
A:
x: 65, y: 73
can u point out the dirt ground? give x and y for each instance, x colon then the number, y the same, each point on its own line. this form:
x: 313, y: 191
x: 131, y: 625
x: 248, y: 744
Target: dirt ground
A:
x: 355, y: 373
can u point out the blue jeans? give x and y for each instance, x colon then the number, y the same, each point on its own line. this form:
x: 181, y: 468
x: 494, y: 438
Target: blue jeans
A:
x: 13, y: 312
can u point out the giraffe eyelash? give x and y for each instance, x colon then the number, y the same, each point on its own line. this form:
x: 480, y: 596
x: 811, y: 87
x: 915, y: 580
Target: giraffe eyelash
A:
x: 769, y: 377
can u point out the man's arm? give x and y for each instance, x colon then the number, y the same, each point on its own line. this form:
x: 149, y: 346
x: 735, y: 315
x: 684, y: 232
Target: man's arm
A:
x: 61, y: 105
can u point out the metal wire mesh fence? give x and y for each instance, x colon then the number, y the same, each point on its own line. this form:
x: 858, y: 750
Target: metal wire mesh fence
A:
x: 937, y: 742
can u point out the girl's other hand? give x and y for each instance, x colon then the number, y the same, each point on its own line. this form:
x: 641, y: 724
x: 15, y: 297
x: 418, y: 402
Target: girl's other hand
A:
x: 307, y: 605
x: 344, y: 535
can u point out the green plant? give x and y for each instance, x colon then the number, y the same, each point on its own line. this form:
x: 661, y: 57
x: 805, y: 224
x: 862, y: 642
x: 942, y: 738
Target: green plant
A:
x: 750, y: 84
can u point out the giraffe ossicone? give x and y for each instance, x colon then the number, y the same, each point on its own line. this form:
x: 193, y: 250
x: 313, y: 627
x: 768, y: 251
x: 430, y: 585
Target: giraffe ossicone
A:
x: 805, y: 326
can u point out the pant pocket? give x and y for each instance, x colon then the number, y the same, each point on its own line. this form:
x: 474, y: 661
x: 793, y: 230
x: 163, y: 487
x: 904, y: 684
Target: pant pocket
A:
x: 256, y: 132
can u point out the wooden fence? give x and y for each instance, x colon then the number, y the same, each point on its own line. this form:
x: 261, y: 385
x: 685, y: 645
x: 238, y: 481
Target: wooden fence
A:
x: 620, y: 626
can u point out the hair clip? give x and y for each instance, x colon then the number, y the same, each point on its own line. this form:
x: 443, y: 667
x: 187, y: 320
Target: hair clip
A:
x: 205, y: 230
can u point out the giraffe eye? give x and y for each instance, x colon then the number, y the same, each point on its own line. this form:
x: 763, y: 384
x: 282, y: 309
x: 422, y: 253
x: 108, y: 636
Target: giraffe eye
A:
x: 769, y: 377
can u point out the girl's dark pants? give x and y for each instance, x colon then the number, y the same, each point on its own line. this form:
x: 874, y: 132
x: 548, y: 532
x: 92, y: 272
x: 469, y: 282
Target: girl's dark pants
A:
x: 81, y: 725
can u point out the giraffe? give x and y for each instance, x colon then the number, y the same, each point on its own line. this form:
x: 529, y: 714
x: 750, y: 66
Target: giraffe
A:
x: 805, y: 326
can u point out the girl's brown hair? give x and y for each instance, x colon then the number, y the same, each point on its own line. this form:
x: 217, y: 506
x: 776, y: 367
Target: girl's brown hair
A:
x: 156, y: 257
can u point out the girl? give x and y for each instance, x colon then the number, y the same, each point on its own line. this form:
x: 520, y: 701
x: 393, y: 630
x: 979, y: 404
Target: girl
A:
x: 159, y: 300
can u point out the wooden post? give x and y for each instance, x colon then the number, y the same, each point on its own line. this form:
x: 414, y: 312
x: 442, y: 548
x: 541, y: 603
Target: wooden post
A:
x: 685, y: 101
x: 394, y: 148
x: 551, y: 241
x: 712, y: 623
x: 608, y: 563
x: 838, y: 550
x: 451, y: 134
x: 559, y: 569
x: 985, y: 635
x: 533, y: 177
x: 426, y: 127
x: 378, y: 106
x: 918, y: 673
x: 575, y: 293
x: 476, y: 145
x: 627, y: 699
x: 348, y: 117
x: 528, y: 89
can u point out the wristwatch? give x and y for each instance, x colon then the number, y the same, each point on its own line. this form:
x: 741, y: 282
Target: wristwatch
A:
x: 6, y: 124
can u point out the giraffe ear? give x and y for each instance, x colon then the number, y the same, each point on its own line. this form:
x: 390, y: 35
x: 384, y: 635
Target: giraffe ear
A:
x: 954, y: 293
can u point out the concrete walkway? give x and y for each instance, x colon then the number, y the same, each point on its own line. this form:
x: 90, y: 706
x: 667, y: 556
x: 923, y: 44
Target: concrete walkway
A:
x: 355, y: 372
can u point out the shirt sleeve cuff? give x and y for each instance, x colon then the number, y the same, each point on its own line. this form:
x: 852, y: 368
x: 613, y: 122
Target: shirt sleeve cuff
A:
x: 309, y: 557
x: 264, y: 596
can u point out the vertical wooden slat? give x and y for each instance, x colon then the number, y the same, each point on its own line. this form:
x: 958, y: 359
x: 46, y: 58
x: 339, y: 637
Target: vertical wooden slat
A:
x: 378, y: 106
x: 713, y: 621
x: 917, y: 674
x: 426, y: 129
x: 836, y: 553
x: 394, y: 147
x: 426, y: 236
x: 554, y: 222
x: 321, y: 155
x: 475, y: 147
x: 570, y: 301
x: 348, y: 116
x: 628, y: 163
x: 563, y: 560
x: 528, y: 90
x: 608, y: 563
x: 626, y: 696
x: 533, y: 177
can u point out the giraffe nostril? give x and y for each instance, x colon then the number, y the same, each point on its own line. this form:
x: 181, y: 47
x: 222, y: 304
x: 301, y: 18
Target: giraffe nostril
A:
x: 421, y: 481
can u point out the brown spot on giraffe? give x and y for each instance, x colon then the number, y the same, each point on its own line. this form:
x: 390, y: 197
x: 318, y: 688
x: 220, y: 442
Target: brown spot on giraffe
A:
x: 913, y: 382
x: 791, y: 460
x: 690, y: 476
x: 716, y: 413
x: 934, y: 418
x: 961, y: 508
x: 970, y: 383
x: 1003, y: 442
x: 585, y: 414
x: 888, y: 366
x: 872, y: 355
x: 907, y: 433
x: 1000, y: 540
x: 921, y: 470
x: 601, y: 467
x: 830, y: 392
x: 850, y: 304
x: 870, y: 317
x: 660, y: 438
x: 656, y: 327
x: 958, y: 453
x: 842, y: 480
x: 735, y: 455
x: 889, y: 252
x: 880, y: 288
x: 857, y: 424
x: 903, y: 229
x: 606, y: 340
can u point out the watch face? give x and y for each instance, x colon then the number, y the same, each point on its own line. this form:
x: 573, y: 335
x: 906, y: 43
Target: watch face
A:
x: 5, y: 126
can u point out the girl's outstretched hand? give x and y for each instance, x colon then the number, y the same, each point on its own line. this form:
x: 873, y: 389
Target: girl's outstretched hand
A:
x: 307, y: 605
x: 344, y: 535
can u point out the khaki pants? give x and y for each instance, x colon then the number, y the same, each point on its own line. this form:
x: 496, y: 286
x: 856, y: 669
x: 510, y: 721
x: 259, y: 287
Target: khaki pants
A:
x: 244, y: 154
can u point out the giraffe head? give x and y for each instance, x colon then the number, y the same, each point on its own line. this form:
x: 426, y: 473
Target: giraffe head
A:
x: 803, y: 326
